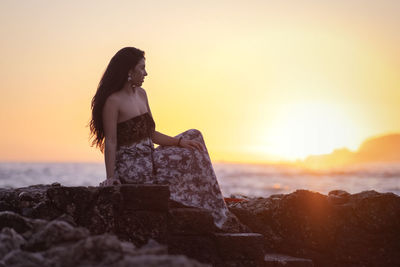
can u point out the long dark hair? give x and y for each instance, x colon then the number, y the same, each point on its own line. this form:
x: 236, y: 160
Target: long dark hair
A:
x: 113, y: 79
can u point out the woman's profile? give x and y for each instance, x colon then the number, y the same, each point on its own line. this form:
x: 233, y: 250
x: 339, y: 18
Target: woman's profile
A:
x: 124, y: 130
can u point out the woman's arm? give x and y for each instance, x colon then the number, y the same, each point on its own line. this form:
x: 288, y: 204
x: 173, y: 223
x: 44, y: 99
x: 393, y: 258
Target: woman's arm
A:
x: 110, y: 116
x: 109, y: 158
x: 165, y: 140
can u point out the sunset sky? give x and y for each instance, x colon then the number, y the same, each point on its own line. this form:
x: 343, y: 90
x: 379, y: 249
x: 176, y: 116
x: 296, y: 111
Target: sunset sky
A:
x: 262, y: 80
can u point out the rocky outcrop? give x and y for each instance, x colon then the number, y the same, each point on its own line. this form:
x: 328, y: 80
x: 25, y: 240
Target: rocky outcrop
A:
x: 139, y: 225
x: 59, y: 244
x: 340, y: 229
x: 45, y: 225
x: 53, y: 225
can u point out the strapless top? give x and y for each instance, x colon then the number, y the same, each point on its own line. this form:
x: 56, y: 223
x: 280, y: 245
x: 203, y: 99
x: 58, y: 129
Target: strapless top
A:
x: 135, y: 129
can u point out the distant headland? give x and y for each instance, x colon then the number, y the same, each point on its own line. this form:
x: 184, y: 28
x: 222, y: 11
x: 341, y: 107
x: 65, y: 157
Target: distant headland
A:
x: 381, y: 149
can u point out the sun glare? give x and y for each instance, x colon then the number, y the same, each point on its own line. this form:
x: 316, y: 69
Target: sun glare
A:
x: 309, y: 129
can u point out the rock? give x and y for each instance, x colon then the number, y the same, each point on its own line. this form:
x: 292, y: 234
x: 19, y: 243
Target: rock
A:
x: 25, y: 196
x: 75, y: 201
x: 145, y: 197
x: 9, y: 200
x: 132, y: 224
x: 105, y: 207
x: 152, y: 247
x: 100, y: 249
x: 172, y: 204
x: 190, y: 221
x: 338, y: 196
x: 133, y: 212
x: 44, y: 210
x: 250, y: 214
x: 25, y: 226
x: 33, y: 193
x: 233, y: 225
x: 202, y: 248
x: 159, y: 261
x: 6, y: 206
x: 107, y: 250
x: 19, y: 258
x: 15, y: 221
x: 335, y: 230
x: 138, y: 226
x: 54, y: 225
x: 29, y: 201
x: 9, y: 240
x: 53, y: 233
x: 241, y: 246
x: 276, y: 260
x: 67, y: 218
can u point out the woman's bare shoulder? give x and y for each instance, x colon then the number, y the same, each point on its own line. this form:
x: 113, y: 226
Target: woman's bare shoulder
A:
x: 141, y: 90
x: 115, y: 98
x: 141, y: 93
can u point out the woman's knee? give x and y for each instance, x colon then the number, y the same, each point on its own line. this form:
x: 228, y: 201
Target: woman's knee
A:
x: 194, y: 133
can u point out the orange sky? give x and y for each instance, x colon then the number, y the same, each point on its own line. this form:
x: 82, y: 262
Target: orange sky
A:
x: 262, y: 80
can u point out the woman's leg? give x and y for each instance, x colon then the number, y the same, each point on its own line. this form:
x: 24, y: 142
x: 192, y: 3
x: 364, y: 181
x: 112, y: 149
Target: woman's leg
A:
x: 133, y: 163
x: 191, y: 177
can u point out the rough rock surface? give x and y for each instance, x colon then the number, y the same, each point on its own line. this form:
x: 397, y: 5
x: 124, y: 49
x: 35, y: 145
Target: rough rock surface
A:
x: 57, y: 243
x: 340, y: 229
x: 51, y: 225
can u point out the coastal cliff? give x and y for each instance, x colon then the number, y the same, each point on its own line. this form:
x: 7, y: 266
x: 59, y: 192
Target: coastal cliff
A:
x: 53, y: 225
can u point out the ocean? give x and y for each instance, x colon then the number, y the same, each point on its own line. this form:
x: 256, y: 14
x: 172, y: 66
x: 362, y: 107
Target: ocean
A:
x: 252, y: 180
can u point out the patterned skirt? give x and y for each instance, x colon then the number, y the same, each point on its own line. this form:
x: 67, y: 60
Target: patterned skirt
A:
x: 188, y: 172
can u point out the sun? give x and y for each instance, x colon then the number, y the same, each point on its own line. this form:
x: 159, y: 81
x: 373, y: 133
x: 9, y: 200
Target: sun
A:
x: 303, y: 129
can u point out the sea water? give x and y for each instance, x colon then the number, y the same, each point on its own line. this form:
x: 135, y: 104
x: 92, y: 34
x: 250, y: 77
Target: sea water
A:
x: 234, y: 179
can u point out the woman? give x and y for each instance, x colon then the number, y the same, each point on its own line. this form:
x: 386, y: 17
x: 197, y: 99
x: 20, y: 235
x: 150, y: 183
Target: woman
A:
x: 124, y: 130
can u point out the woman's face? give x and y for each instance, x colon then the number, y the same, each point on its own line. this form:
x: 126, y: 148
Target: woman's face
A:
x: 138, y: 73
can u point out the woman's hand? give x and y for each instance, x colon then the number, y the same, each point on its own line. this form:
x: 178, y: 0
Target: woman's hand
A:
x: 110, y: 182
x: 192, y: 144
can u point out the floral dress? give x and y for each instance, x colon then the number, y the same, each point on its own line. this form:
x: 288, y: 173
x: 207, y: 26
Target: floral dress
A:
x: 188, y: 172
